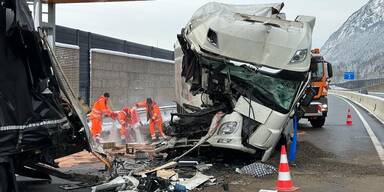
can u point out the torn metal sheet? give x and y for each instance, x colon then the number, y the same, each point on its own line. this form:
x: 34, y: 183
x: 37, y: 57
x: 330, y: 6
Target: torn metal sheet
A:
x: 195, y: 181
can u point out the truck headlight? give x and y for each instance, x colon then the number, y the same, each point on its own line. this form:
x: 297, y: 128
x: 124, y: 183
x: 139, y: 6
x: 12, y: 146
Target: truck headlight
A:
x: 324, y: 107
x: 227, y: 128
x: 299, y: 56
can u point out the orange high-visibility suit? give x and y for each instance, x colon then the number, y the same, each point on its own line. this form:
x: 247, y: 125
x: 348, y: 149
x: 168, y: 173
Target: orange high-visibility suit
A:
x: 127, y: 119
x: 123, y: 116
x: 153, y: 116
x: 99, y: 109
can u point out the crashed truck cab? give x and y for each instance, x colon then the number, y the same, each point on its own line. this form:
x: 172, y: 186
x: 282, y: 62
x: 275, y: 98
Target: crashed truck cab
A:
x: 248, y: 62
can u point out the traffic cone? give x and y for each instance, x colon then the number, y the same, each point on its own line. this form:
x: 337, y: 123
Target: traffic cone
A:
x: 349, y: 118
x: 284, y: 182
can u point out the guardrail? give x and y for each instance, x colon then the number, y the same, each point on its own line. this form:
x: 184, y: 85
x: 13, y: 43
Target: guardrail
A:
x: 373, y: 104
x: 357, y: 84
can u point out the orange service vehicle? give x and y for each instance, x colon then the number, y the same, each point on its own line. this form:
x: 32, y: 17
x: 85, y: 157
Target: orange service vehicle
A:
x: 316, y: 111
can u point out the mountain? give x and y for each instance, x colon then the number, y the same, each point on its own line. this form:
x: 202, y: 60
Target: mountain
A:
x: 358, y: 45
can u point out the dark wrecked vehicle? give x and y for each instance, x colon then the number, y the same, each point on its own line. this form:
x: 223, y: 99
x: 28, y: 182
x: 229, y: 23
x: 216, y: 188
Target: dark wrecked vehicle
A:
x: 40, y: 119
x: 240, y: 70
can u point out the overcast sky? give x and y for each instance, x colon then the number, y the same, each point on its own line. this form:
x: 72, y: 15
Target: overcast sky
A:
x: 156, y: 23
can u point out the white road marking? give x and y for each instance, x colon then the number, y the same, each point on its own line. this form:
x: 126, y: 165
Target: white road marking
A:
x: 376, y: 143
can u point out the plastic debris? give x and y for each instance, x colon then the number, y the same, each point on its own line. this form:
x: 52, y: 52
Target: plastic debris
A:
x: 180, y: 188
x: 257, y: 169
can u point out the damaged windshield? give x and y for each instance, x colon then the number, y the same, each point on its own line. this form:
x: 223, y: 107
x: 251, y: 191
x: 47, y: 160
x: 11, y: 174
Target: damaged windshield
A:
x: 274, y: 92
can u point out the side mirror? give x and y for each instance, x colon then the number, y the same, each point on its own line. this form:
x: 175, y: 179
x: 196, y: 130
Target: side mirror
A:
x: 330, y: 71
x: 313, y: 67
x: 307, y: 98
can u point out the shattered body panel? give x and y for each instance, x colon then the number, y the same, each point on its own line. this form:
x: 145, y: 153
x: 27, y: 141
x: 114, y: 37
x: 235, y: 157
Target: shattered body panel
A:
x: 249, y: 60
x: 40, y: 118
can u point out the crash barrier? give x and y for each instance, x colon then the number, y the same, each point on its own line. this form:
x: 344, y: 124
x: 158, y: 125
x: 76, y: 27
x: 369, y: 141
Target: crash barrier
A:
x: 374, y: 105
x: 357, y: 84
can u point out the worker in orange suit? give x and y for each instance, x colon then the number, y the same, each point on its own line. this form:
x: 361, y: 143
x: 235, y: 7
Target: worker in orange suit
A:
x: 153, y: 116
x: 124, y: 117
x: 128, y: 119
x: 99, y: 109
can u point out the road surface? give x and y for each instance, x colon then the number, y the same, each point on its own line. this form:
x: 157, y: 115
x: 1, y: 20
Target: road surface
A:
x: 335, y: 157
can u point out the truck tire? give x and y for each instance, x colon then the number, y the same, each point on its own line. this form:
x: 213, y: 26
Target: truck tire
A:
x: 318, y: 122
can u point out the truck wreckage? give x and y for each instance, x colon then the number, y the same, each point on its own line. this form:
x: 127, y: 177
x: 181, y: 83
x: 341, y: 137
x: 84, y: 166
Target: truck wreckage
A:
x: 241, y: 72
x: 40, y: 118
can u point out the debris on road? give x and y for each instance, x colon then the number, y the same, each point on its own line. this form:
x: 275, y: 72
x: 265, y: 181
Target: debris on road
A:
x: 118, y: 184
x: 166, y: 174
x: 195, y: 181
x: 203, y: 167
x: 257, y: 169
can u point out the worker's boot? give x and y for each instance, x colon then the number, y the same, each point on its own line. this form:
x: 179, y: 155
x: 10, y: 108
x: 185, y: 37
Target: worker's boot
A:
x: 153, y: 137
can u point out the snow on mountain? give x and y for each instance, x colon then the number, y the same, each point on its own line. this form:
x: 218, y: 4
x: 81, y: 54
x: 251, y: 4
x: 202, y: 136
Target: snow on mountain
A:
x: 358, y: 45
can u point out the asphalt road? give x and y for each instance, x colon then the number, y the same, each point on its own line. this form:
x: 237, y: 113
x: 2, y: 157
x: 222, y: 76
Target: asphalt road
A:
x: 348, y: 143
x: 335, y: 157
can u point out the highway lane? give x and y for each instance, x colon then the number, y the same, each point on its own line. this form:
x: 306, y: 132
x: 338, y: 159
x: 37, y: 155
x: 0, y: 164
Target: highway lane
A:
x: 348, y: 143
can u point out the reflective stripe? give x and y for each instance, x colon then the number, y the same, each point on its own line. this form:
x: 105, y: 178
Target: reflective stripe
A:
x: 283, y: 159
x: 97, y: 111
x: 43, y: 123
x: 284, y: 176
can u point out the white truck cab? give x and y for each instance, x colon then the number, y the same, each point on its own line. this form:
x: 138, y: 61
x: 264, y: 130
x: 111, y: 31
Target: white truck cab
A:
x: 248, y: 62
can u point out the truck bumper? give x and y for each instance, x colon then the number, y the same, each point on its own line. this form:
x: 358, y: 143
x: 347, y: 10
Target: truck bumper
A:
x: 317, y: 108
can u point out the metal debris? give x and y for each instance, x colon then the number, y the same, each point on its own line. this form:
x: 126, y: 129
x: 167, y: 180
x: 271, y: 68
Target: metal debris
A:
x: 195, y: 181
x: 118, y: 184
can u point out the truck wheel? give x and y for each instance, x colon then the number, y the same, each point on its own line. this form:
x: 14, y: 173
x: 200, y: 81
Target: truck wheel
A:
x: 318, y: 122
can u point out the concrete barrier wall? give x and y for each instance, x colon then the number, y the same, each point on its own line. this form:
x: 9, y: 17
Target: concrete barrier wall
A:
x: 68, y: 57
x: 375, y: 105
x: 378, y: 88
x: 130, y: 78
